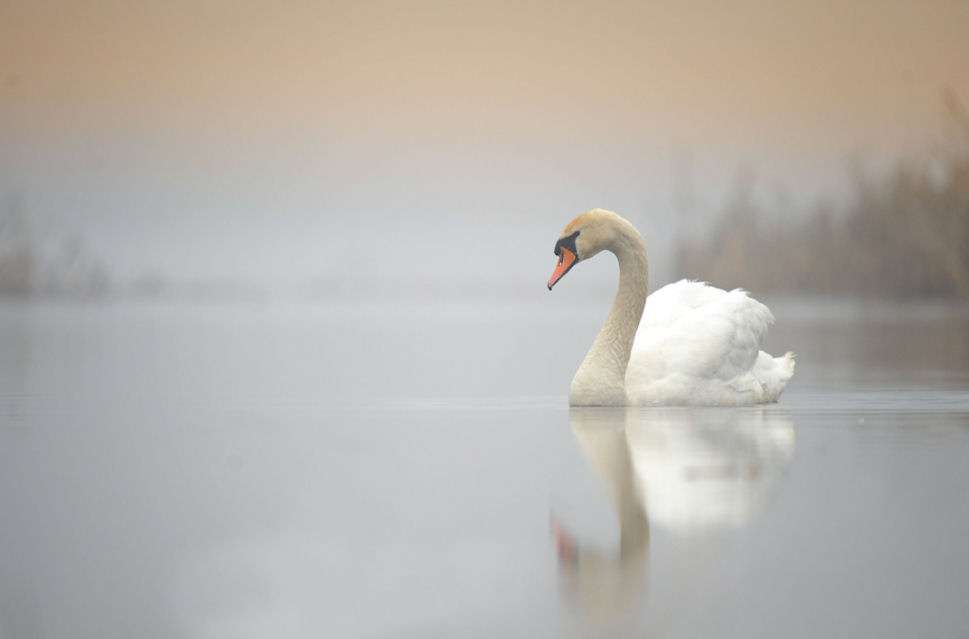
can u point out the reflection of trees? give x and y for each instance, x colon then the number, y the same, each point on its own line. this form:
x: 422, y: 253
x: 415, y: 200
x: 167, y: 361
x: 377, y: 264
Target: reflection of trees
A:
x: 905, y: 233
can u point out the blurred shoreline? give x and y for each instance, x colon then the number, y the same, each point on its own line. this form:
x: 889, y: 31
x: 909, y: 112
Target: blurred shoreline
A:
x: 902, y: 234
x: 786, y: 307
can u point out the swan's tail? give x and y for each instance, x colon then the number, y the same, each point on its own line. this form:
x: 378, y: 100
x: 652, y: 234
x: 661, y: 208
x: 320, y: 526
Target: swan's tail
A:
x: 787, y: 363
x: 774, y: 373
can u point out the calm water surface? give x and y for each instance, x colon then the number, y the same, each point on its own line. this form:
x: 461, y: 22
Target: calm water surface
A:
x: 406, y: 470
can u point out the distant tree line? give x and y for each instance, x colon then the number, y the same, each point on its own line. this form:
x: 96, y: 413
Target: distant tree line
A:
x: 18, y: 262
x: 902, y: 234
x: 66, y: 270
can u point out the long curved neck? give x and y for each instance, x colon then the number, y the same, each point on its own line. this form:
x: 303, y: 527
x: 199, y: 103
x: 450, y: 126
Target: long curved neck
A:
x: 600, y: 380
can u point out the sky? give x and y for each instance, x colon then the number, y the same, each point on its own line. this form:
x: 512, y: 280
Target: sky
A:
x: 418, y: 141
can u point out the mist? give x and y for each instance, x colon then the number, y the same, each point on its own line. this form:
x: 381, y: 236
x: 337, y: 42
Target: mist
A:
x: 280, y: 355
x: 284, y: 149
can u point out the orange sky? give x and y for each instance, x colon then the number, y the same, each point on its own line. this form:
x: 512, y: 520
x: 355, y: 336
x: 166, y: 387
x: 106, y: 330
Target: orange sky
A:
x: 804, y: 73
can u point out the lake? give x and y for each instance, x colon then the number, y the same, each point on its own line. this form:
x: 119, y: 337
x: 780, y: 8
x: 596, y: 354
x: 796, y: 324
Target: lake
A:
x: 412, y: 469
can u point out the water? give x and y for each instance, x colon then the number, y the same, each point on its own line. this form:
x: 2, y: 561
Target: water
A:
x: 398, y: 470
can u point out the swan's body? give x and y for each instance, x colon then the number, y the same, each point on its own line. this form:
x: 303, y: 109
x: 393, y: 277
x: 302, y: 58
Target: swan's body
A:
x: 686, y: 344
x: 700, y: 345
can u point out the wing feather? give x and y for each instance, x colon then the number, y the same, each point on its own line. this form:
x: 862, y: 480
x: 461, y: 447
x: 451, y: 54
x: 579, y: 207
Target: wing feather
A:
x: 695, y: 332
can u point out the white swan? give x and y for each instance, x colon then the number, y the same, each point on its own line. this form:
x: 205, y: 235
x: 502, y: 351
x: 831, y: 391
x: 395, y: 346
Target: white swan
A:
x: 696, y: 344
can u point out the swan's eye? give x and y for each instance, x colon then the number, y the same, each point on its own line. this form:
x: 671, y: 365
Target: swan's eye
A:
x: 566, y: 242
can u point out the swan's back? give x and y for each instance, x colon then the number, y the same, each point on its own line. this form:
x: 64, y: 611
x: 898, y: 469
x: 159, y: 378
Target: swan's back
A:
x: 700, y: 345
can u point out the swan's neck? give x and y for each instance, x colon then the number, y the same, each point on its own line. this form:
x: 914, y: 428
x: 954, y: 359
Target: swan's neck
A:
x: 600, y: 380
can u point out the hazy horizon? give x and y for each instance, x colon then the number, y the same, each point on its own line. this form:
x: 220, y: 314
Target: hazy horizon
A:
x: 285, y: 143
x: 280, y: 359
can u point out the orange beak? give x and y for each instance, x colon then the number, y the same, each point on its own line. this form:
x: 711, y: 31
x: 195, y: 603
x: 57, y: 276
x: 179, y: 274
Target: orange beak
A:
x: 567, y: 260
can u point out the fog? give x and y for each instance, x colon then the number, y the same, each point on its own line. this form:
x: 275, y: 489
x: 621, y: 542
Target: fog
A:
x: 277, y: 356
x: 314, y: 148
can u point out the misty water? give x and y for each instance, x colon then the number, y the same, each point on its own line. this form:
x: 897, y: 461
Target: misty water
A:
x: 405, y: 469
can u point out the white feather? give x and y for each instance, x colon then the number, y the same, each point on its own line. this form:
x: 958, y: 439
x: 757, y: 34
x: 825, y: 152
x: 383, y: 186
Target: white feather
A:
x: 700, y: 345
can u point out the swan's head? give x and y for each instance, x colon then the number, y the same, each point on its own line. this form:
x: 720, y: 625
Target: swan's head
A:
x: 585, y: 236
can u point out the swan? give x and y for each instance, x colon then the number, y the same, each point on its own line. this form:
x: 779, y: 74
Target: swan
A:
x: 696, y: 345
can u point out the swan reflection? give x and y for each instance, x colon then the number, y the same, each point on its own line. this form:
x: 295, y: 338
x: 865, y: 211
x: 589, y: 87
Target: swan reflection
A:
x: 677, y: 479
x: 605, y: 581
